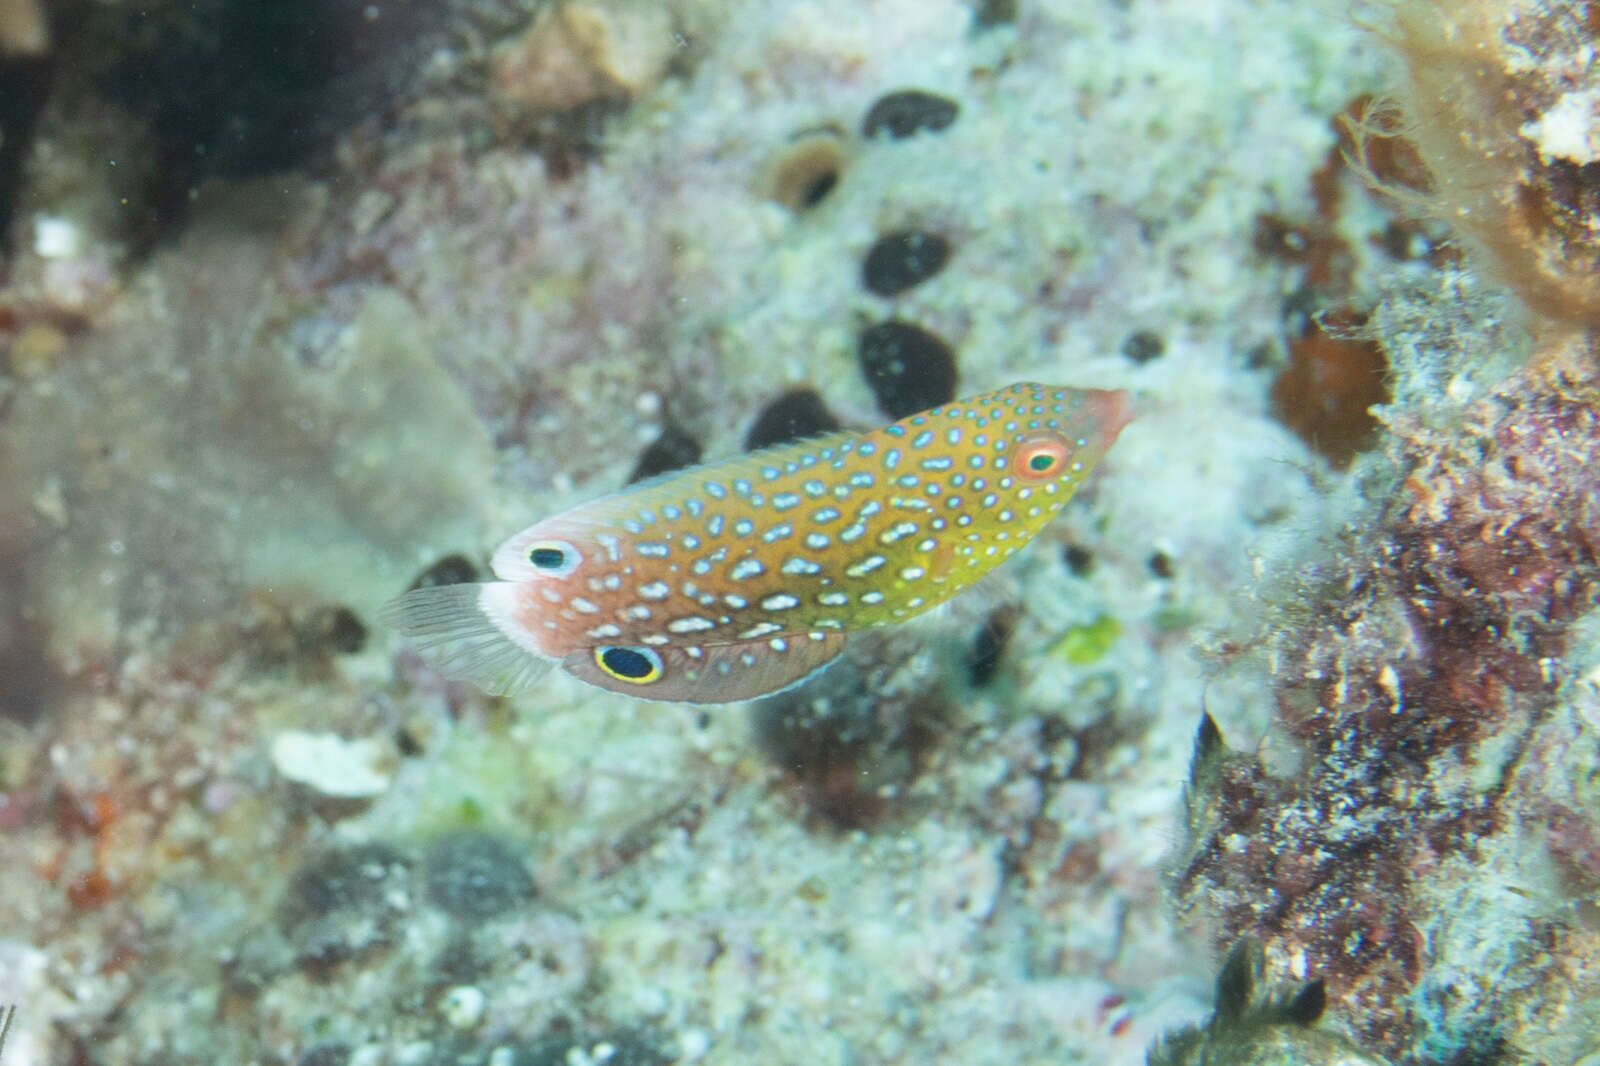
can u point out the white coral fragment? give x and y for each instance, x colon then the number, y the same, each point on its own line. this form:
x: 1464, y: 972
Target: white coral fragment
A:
x: 1569, y: 129
x: 331, y: 766
x: 583, y: 51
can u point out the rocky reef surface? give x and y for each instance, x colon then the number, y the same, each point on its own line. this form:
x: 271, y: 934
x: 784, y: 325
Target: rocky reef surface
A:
x: 279, y: 339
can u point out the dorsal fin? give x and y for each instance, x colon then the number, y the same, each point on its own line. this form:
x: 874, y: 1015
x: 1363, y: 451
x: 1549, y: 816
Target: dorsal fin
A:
x: 674, y: 486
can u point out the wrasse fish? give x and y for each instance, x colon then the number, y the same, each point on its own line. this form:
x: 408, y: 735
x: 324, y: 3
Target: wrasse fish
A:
x: 737, y: 579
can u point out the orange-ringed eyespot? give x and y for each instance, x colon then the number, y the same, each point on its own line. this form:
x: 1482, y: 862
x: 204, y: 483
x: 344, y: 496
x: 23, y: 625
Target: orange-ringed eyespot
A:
x: 638, y: 665
x: 1039, y: 457
x: 554, y: 557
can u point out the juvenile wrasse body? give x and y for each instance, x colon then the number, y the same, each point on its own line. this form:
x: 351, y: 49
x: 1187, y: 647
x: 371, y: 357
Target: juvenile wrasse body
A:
x: 737, y: 579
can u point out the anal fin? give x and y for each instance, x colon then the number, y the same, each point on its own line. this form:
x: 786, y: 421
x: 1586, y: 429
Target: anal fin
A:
x: 717, y: 673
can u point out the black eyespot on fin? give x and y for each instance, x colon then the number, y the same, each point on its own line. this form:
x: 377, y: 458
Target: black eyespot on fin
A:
x: 630, y: 664
x: 547, y: 558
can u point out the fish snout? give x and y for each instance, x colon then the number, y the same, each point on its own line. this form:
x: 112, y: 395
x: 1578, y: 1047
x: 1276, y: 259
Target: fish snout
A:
x: 1110, y: 410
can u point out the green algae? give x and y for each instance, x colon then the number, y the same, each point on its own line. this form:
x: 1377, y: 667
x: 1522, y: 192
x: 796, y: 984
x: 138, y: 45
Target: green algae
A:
x: 1085, y: 644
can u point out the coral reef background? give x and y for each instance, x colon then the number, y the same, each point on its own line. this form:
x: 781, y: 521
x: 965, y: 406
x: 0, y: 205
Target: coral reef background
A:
x: 281, y: 338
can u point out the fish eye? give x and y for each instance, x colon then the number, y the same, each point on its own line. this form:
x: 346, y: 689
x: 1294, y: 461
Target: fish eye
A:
x: 1039, y: 457
x: 554, y: 557
x: 638, y: 665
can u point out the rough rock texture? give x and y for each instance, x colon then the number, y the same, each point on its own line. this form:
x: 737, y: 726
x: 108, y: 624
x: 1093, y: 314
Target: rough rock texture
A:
x: 235, y: 420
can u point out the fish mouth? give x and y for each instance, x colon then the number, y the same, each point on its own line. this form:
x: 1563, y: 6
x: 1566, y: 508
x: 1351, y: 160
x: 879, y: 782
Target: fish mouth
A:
x: 1112, y: 410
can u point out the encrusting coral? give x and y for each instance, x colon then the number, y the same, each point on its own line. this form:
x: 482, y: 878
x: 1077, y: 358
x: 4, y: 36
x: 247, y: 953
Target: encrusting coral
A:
x: 1500, y: 103
x: 1421, y: 842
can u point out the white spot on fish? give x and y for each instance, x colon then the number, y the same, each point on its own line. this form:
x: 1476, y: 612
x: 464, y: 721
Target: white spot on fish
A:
x: 817, y: 541
x: 760, y: 629
x: 865, y: 566
x: 653, y: 548
x: 834, y: 599
x: 747, y: 567
x: 896, y: 531
x: 781, y: 602
x: 873, y: 597
x: 911, y: 573
x: 738, y: 603
x: 854, y: 531
x: 777, y: 533
x: 586, y: 606
x: 797, y: 565
x: 607, y: 630
x: 691, y: 624
x: 778, y: 644
x: 638, y: 612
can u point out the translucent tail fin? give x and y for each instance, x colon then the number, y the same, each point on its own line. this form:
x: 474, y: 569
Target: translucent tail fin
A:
x: 456, y: 627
